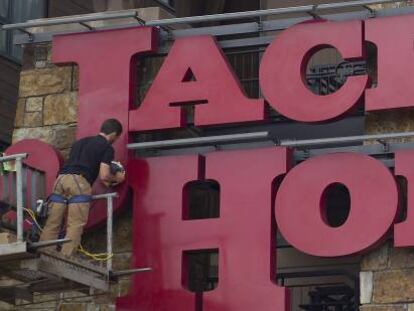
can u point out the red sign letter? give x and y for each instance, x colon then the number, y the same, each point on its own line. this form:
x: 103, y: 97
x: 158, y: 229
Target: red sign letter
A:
x: 104, y: 59
x: 243, y: 233
x: 195, y: 72
x: 404, y: 232
x: 393, y: 37
x: 283, y: 67
x: 300, y: 210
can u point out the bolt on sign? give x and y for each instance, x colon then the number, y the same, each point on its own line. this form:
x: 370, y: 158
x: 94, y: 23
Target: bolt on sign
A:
x: 244, y: 234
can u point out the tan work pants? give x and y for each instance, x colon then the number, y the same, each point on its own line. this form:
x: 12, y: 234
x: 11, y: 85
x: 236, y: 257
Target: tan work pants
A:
x: 68, y: 186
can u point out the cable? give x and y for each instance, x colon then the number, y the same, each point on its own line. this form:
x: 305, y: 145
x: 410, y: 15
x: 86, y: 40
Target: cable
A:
x: 33, y: 216
x: 96, y: 256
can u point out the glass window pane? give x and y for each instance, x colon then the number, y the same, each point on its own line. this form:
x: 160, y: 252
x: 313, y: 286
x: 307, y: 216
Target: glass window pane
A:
x: 3, y: 41
x: 24, y: 10
x: 4, y: 8
x: 16, y: 50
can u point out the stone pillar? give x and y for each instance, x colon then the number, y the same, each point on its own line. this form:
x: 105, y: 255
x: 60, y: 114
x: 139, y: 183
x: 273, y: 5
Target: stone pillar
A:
x: 47, y: 104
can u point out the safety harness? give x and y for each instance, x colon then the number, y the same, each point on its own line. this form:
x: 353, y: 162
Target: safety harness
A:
x: 80, y: 198
x: 57, y: 198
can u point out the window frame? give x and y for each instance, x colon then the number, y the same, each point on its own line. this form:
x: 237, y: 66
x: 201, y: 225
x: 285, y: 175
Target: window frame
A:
x: 8, y: 52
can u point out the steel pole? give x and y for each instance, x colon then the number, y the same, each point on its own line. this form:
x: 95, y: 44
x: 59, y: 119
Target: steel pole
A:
x: 19, y: 199
x: 11, y: 157
x: 109, y: 233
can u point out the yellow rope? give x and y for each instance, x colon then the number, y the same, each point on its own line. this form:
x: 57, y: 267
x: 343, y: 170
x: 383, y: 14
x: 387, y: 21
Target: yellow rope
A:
x: 97, y: 256
x: 33, y: 216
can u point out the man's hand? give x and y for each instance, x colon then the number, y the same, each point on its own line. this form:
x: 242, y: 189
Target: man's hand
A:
x: 120, y: 177
x: 109, y: 179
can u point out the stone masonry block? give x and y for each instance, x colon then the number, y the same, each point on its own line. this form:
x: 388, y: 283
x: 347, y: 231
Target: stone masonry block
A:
x: 376, y: 259
x: 20, y: 111
x: 60, y: 109
x: 34, y: 104
x: 393, y: 286
x: 366, y: 286
x: 45, y: 81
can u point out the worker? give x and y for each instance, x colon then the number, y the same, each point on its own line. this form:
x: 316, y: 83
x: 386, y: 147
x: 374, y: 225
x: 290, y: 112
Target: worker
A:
x: 89, y: 158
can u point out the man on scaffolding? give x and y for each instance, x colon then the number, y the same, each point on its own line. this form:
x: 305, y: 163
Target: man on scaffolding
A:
x: 89, y: 158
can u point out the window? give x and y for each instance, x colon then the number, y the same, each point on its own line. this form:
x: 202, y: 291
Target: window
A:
x: 168, y: 4
x: 16, y: 11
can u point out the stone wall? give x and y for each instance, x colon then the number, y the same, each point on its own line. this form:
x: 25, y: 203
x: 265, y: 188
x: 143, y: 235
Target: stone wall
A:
x: 47, y: 106
x: 387, y: 273
x: 387, y: 279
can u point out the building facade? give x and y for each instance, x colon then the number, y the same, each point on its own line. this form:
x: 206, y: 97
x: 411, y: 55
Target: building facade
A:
x: 48, y: 109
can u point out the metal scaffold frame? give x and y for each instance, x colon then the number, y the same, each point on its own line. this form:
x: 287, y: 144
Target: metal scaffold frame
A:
x: 45, y: 270
x: 334, y: 11
x: 303, y: 148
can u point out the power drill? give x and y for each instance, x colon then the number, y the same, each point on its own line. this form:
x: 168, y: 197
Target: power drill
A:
x: 116, y: 167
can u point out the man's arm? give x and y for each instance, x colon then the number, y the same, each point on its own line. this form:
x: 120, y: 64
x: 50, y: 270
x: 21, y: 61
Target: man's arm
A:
x: 109, y: 179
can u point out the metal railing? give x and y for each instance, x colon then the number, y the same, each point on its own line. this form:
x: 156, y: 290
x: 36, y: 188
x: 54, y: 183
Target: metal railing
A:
x: 109, y: 197
x: 83, y: 20
x: 343, y: 140
x: 260, y: 136
x: 18, y: 159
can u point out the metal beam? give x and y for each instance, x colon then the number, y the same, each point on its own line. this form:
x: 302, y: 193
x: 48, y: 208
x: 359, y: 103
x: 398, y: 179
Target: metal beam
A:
x: 105, y: 196
x: 342, y: 140
x: 36, y: 245
x: 225, y: 30
x: 263, y: 13
x: 13, y: 248
x: 130, y: 272
x: 70, y: 20
x: 261, y: 136
x: 212, y: 140
x: 12, y: 157
x: 307, y: 9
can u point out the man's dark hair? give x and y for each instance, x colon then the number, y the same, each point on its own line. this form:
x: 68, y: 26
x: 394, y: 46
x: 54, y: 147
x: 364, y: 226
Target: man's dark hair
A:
x: 111, y: 126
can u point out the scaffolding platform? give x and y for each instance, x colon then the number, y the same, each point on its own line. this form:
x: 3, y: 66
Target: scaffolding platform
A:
x: 43, y: 272
x: 29, y: 269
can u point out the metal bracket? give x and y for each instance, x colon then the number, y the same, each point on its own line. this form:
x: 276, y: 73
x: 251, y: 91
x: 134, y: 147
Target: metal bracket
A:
x: 129, y: 272
x: 169, y: 31
x: 139, y: 20
x: 313, y: 12
x: 29, y: 34
x: 385, y: 145
x: 306, y: 153
x: 371, y: 11
x: 260, y: 26
x: 86, y: 25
